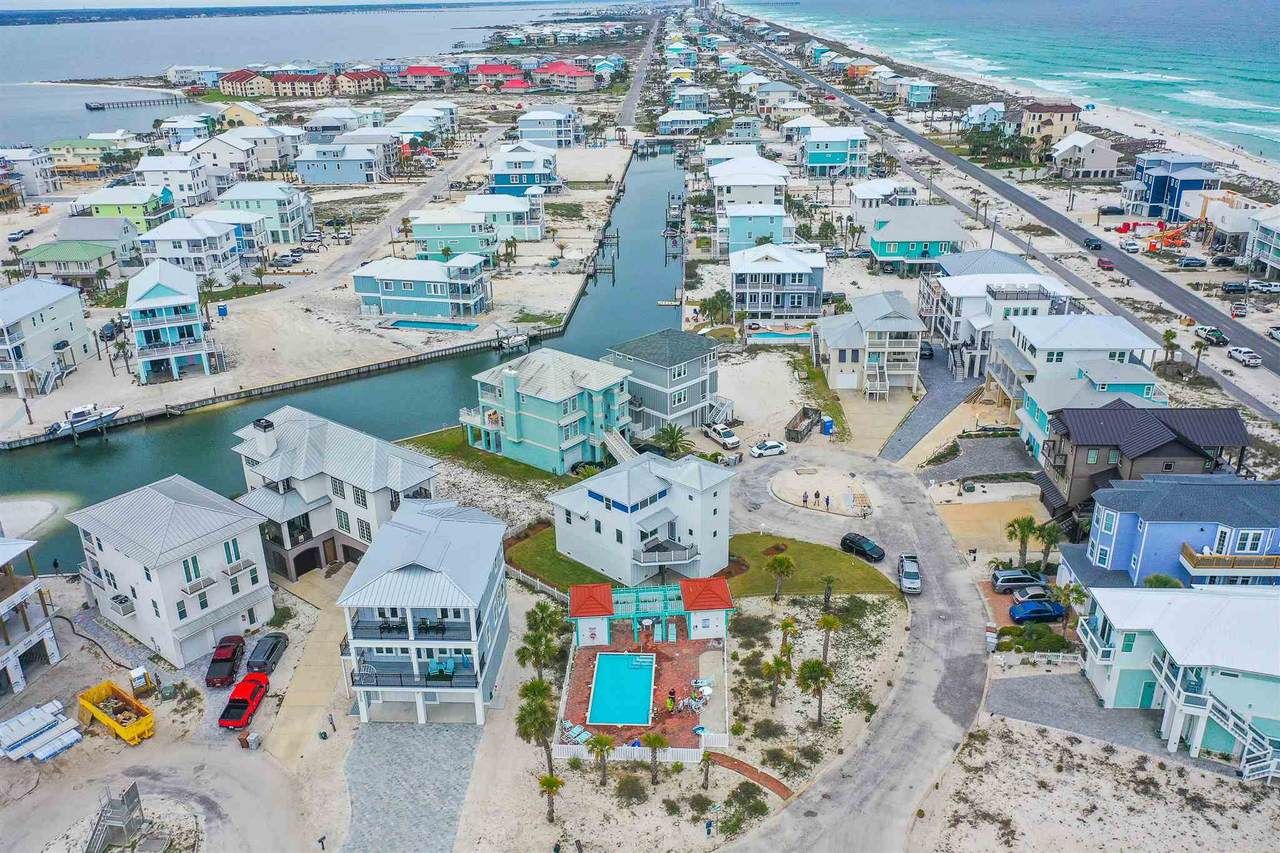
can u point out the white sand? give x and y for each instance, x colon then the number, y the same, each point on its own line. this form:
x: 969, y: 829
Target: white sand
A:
x: 744, y: 379
x: 18, y: 518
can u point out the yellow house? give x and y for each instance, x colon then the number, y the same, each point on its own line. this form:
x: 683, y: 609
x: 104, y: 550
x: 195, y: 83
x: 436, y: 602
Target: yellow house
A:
x: 684, y: 75
x: 79, y: 156
x: 244, y: 114
x: 1046, y: 123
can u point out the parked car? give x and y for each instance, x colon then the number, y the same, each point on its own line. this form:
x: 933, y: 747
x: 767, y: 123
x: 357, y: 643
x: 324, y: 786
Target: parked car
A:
x: 1005, y: 581
x: 335, y: 222
x: 1093, y: 244
x: 1235, y: 287
x: 283, y: 261
x: 860, y: 253
x: 867, y: 549
x: 1213, y: 335
x: 1131, y: 246
x: 1037, y: 611
x: 768, y: 447
x: 311, y: 238
x: 1259, y: 286
x: 926, y: 350
x: 1191, y: 263
x: 909, y: 574
x: 1030, y: 593
x: 1239, y: 309
x: 344, y: 235
x: 1223, y: 261
x: 837, y: 252
x: 1274, y: 333
x: 109, y: 331
x: 1111, y: 210
x: 244, y: 701
x: 1245, y: 356
x: 297, y: 252
x: 226, y: 661
x: 267, y: 652
x: 721, y: 435
x: 20, y: 234
x: 1106, y: 264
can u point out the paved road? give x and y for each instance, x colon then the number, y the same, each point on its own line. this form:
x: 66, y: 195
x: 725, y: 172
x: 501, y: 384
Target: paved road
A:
x: 1174, y: 296
x: 867, y: 801
x: 627, y: 113
x: 943, y: 394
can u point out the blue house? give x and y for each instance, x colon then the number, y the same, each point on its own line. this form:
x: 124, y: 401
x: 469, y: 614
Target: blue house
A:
x: 691, y: 98
x: 1160, y: 179
x: 521, y: 165
x: 338, y: 164
x: 1097, y: 382
x: 835, y: 152
x: 683, y: 122
x: 163, y: 302
x: 743, y: 226
x: 458, y: 287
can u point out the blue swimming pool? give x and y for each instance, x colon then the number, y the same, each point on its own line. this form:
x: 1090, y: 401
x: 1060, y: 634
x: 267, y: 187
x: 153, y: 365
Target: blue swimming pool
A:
x: 434, y: 324
x: 622, y: 690
x: 781, y: 337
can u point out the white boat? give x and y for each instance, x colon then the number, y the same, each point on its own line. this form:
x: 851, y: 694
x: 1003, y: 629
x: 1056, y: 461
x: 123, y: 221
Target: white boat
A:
x: 83, y: 419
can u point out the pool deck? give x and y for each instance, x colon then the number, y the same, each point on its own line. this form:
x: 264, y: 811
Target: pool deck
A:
x: 678, y: 664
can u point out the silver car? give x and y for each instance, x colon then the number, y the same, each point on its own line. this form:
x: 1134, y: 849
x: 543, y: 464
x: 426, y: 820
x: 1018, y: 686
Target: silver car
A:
x: 1031, y: 593
x: 909, y: 574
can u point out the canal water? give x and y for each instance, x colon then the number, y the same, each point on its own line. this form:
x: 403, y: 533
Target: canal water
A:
x: 389, y: 405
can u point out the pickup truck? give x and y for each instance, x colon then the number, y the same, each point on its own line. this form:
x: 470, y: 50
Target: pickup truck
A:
x: 1212, y: 335
x: 20, y: 234
x: 226, y: 661
x: 244, y: 701
x: 721, y: 435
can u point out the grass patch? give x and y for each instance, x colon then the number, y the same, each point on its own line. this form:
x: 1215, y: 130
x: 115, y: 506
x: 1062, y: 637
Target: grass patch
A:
x: 547, y: 318
x: 281, y: 617
x: 1034, y: 229
x: 537, y: 556
x: 112, y: 297
x: 584, y: 185
x: 946, y: 454
x: 725, y: 334
x: 1010, y: 477
x: 452, y: 444
x: 239, y: 291
x: 564, y: 210
x: 819, y: 392
x: 812, y: 562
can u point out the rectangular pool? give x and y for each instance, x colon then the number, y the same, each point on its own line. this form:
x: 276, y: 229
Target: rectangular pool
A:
x: 622, y: 690
x: 434, y: 324
x: 781, y: 337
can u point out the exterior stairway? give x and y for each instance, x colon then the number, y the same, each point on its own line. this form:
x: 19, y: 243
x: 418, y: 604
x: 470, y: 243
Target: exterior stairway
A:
x: 619, y: 446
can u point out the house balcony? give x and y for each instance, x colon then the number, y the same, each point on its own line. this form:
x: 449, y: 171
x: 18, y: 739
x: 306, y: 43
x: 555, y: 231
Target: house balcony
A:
x: 664, y: 552
x: 398, y: 629
x: 14, y: 364
x: 1243, y: 565
x: 480, y: 418
x: 168, y: 320
x: 12, y: 337
x: 1180, y: 684
x: 197, y: 585
x: 1099, y: 650
x: 237, y: 567
x: 432, y: 674
x: 186, y: 347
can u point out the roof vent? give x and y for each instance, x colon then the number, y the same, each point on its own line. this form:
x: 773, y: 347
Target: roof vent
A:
x: 263, y: 425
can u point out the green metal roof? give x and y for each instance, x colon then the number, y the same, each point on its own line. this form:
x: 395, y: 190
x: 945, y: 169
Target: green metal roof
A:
x: 67, y: 250
x: 667, y: 348
x: 100, y: 144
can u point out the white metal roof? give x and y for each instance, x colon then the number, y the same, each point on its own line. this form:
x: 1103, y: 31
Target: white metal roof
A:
x: 29, y: 296
x: 642, y: 477
x: 495, y: 203
x: 256, y: 190
x: 188, y: 229
x: 411, y: 269
x: 1082, y: 332
x: 806, y: 121
x: 836, y: 134
x: 684, y: 115
x: 550, y: 374
x: 278, y: 507
x: 120, y: 195
x: 749, y: 165
x: 168, y: 163
x: 772, y: 258
x: 729, y: 151
x: 162, y: 285
x: 754, y: 210
x: 231, y: 217
x: 976, y: 284
x: 919, y: 222
x: 12, y: 549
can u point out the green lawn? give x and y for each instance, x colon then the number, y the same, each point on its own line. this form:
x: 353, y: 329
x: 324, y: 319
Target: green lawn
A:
x: 537, y: 556
x: 452, y: 444
x: 546, y: 318
x: 238, y: 291
x: 815, y: 382
x: 564, y: 209
x: 812, y: 562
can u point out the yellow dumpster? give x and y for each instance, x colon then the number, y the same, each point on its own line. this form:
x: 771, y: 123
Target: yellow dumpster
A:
x: 132, y: 721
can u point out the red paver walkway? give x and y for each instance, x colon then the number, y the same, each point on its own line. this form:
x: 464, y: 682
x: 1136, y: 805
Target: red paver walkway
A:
x: 758, y: 776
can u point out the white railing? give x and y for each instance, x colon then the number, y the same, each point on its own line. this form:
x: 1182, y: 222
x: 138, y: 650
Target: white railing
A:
x: 175, y: 348
x: 1071, y: 658
x: 166, y: 320
x: 540, y: 586
x: 238, y: 566
x: 1097, y: 649
x: 670, y: 755
x: 669, y: 555
x: 717, y: 741
x: 196, y: 585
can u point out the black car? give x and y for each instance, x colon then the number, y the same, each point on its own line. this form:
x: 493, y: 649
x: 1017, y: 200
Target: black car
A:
x: 860, y: 253
x: 1093, y: 244
x: 335, y: 222
x: 926, y: 349
x: 1234, y: 287
x: 1223, y: 261
x: 109, y: 331
x: 267, y: 652
x: 1111, y: 210
x: 856, y: 543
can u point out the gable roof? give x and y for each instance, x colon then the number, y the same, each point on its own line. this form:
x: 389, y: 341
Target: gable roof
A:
x: 254, y: 190
x: 1196, y: 498
x: 590, y: 599
x: 161, y: 285
x: 667, y: 347
x: 67, y: 250
x: 774, y: 258
x: 705, y: 594
x: 879, y: 312
x: 643, y: 477
x: 549, y: 374
x: 1139, y: 431
x: 984, y: 262
x: 1074, y: 332
x: 165, y: 521
x: 917, y: 222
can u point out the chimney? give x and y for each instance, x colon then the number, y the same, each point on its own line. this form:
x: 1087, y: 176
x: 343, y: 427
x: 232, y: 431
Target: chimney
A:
x: 265, y: 440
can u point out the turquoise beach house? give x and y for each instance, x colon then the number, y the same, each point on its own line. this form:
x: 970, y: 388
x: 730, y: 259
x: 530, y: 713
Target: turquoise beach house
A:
x: 910, y: 240
x: 163, y: 302
x: 456, y: 230
x: 550, y: 409
x: 1097, y: 382
x: 458, y: 287
x: 743, y: 226
x: 521, y: 165
x: 835, y: 152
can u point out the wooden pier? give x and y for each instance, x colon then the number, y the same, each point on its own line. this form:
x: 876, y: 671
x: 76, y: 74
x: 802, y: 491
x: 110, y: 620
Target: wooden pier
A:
x: 168, y: 100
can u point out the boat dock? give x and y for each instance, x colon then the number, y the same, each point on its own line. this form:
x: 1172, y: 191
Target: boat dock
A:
x: 168, y: 100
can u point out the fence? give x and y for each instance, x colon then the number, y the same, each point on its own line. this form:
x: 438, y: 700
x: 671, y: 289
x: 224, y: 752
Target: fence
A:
x: 1055, y: 658
x: 538, y: 585
x: 670, y: 755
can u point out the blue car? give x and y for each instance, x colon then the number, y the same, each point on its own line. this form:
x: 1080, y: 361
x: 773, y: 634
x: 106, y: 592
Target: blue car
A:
x: 1037, y: 611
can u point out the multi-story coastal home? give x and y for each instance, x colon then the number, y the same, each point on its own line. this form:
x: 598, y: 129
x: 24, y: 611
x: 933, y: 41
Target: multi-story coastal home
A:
x: 244, y: 114
x: 287, y: 208
x: 691, y: 98
x: 27, y: 641
x: 338, y: 164
x: 200, y: 246
x: 1263, y: 245
x: 983, y: 116
x: 426, y: 613
x: 245, y: 83
x: 252, y: 237
x: 1160, y: 179
x: 910, y: 240
x: 516, y: 167
x: 1209, y: 659
x: 874, y: 348
x: 551, y: 126
x: 562, y: 76
x: 743, y: 226
x: 777, y: 282
x: 166, y: 326
x: 714, y: 155
x: 193, y: 75
x: 835, y: 152
x: 302, y: 85
x: 385, y: 142
x: 769, y: 95
x: 748, y: 180
x: 42, y: 335
x: 788, y: 110
x: 551, y: 410
x: 1045, y: 122
x: 446, y: 113
x: 799, y: 128
x: 493, y: 74
x: 646, y: 516
x: 915, y: 92
x: 448, y: 232
x: 115, y: 231
x: 984, y: 262
x: 1081, y: 157
x: 456, y: 288
x: 80, y: 158
x: 518, y: 217
x: 35, y: 166
x: 674, y: 379
x: 749, y: 82
x: 146, y: 207
x: 325, y: 489
x: 1097, y: 382
x: 360, y: 82
x: 77, y: 263
x: 174, y: 565
x: 180, y: 130
x: 683, y: 122
x: 181, y: 174
x: 226, y: 151
x: 879, y: 192
x: 424, y: 78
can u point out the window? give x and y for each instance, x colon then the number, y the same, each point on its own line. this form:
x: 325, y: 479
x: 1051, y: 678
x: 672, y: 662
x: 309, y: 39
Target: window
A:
x: 617, y: 534
x: 338, y: 487
x: 1220, y: 541
x: 203, y: 600
x: 1249, y: 541
x: 182, y: 610
x: 1104, y: 557
x: 1092, y: 458
x: 679, y: 371
x: 231, y: 550
x: 679, y: 398
x: 344, y: 521
x: 359, y: 496
x: 253, y: 617
x: 1126, y: 641
x: 133, y: 593
x: 1108, y: 521
x: 1113, y: 456
x: 597, y: 525
x: 568, y: 517
x: 155, y: 608
x: 365, y: 532
x: 146, y: 573
x: 1053, y: 356
x: 191, y: 568
x: 253, y: 576
x: 1168, y: 466
x: 235, y: 584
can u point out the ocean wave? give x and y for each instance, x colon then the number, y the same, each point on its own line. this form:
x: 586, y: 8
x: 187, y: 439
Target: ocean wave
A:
x: 1065, y: 86
x: 1209, y: 98
x: 1269, y: 132
x: 968, y: 61
x: 1137, y: 76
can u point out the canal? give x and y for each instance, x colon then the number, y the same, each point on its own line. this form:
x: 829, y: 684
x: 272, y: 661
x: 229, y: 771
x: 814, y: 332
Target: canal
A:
x: 390, y: 405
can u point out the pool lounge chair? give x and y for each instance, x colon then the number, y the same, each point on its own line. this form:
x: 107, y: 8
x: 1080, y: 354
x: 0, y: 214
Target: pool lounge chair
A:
x: 583, y: 738
x: 572, y: 734
x: 702, y: 682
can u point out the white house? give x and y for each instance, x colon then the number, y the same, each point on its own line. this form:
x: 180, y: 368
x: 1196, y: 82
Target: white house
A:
x: 288, y: 208
x: 35, y: 166
x: 325, y: 489
x: 875, y: 347
x: 714, y: 155
x: 426, y: 613
x: 274, y: 147
x: 27, y: 640
x: 183, y: 174
x: 1081, y: 157
x: 200, y: 246
x: 42, y: 335
x: 174, y: 565
x: 645, y: 516
x: 880, y: 192
x: 798, y: 128
x: 748, y: 180
x: 551, y: 126
x: 983, y: 116
x: 227, y: 151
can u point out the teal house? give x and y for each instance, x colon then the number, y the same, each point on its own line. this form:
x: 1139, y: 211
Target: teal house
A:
x: 835, y: 152
x: 447, y: 233
x: 456, y: 288
x: 163, y: 303
x: 910, y: 240
x: 551, y: 410
x: 1097, y: 382
x: 743, y: 226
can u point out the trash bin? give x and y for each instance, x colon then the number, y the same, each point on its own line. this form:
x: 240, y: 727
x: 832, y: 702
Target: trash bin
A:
x: 828, y: 425
x: 222, y: 309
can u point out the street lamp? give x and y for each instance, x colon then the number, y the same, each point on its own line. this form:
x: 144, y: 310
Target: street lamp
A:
x: 995, y: 218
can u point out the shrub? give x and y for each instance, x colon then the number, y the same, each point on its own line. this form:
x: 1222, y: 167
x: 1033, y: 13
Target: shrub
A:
x: 575, y: 763
x: 750, y: 627
x: 677, y: 767
x: 281, y: 617
x: 672, y: 806
x: 782, y: 761
x: 631, y: 790
x: 699, y: 805
x: 768, y: 730
x: 738, y: 729
x: 744, y: 795
x: 811, y: 752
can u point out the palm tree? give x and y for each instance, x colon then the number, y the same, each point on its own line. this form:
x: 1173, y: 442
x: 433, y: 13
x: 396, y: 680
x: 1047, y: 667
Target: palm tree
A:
x: 706, y: 769
x: 206, y: 284
x: 122, y: 350
x: 653, y: 741
x: 781, y: 567
x: 550, y: 785
x: 259, y: 272
x: 537, y: 650
x: 718, y: 308
x: 513, y: 246
x: 101, y: 277
x: 1200, y: 347
x: 827, y: 623
x: 673, y: 440
x: 828, y: 583
x: 561, y: 245
x: 788, y: 627
x: 545, y: 618
x: 234, y: 279
x: 1169, y: 341
x: 536, y: 722
x: 600, y: 746
x: 814, y: 677
x: 446, y: 253
x: 1162, y: 581
x: 775, y: 670
x: 1048, y: 535
x: 1069, y: 595
x: 1020, y: 530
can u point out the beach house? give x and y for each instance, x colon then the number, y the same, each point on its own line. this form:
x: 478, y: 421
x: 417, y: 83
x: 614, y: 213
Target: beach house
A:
x: 551, y: 126
x: 916, y: 93
x: 443, y: 233
x: 426, y: 615
x: 166, y: 325
x: 115, y: 231
x: 42, y: 335
x: 1160, y: 179
x: 742, y: 226
x: 769, y: 95
x: 228, y: 151
x: 798, y: 128
x: 200, y: 246
x: 694, y: 98
x: 835, y: 152
x: 748, y: 180
x: 750, y: 81
x: 287, y: 208
x: 1081, y: 157
x: 560, y: 76
x: 252, y: 234
x: 877, y: 193
x: 313, y: 85
x: 174, y: 565
x: 146, y: 207
x: 683, y: 122
x: 338, y: 164
x: 1262, y: 248
x: 364, y: 82
x: 28, y: 644
x: 512, y: 217
x: 424, y: 78
x: 715, y: 154
x: 1097, y: 382
x: 771, y: 282
x: 446, y: 113
x: 324, y: 489
x: 183, y: 175
x: 80, y: 158
x: 910, y: 240
x: 518, y: 166
x: 551, y: 410
x: 456, y: 288
x: 244, y: 114
x: 743, y: 129
x: 180, y: 130
x: 873, y: 348
x: 647, y: 516
x: 77, y: 263
x: 35, y: 166
x: 674, y: 380
x: 493, y: 74
x: 274, y: 147
x: 1045, y: 122
x: 988, y: 116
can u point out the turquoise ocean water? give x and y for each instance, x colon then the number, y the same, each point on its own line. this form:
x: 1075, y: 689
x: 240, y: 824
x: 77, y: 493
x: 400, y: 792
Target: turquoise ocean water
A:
x: 1207, y: 66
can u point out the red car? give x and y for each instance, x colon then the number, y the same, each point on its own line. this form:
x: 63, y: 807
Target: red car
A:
x: 244, y: 700
x: 1106, y: 264
x: 226, y: 662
